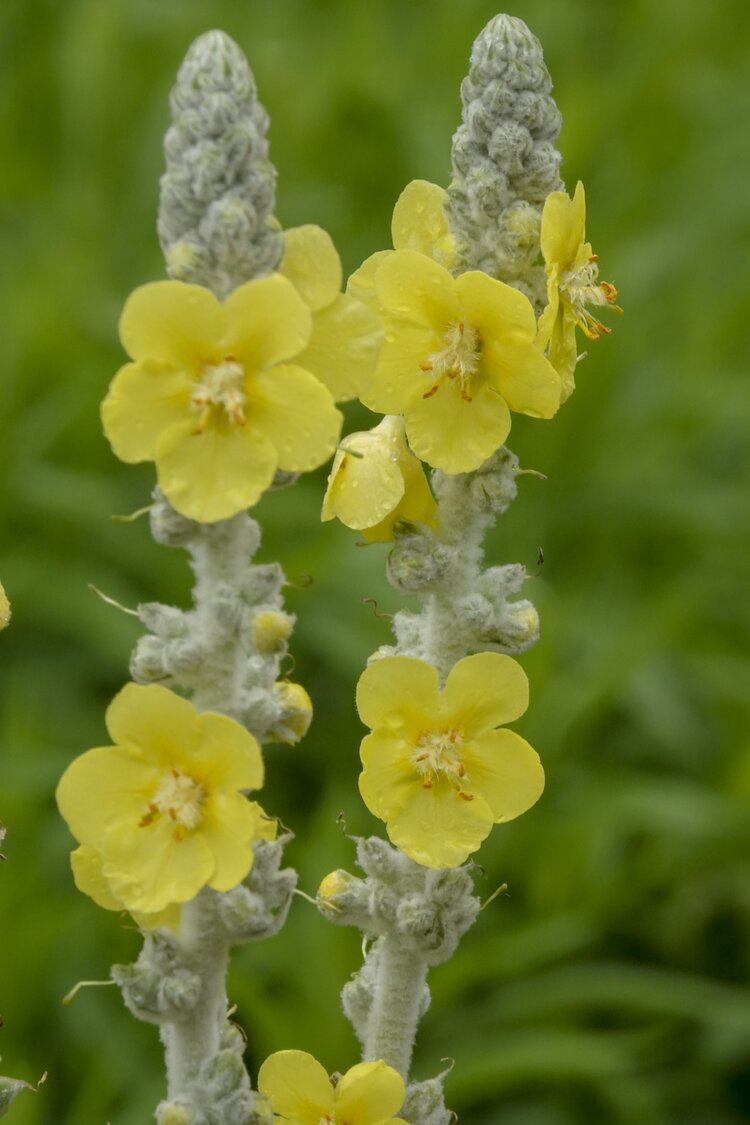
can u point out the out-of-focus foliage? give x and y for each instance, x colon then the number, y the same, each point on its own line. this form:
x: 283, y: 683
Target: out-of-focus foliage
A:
x: 609, y: 983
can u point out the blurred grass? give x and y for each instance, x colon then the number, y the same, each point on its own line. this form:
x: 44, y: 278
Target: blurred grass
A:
x: 610, y: 983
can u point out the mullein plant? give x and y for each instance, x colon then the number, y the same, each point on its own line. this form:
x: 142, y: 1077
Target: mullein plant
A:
x: 235, y: 365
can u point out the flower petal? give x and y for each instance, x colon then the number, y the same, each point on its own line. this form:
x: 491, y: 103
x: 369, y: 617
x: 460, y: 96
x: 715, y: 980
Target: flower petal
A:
x: 388, y: 777
x: 228, y: 826
x: 419, y: 217
x: 297, y: 1086
x: 295, y: 413
x: 398, y: 373
x: 149, y: 867
x: 227, y: 754
x: 312, y: 264
x: 438, y: 828
x: 344, y: 347
x: 361, y: 284
x: 144, y: 398
x: 265, y: 322
x: 452, y: 434
x: 214, y: 473
x: 484, y: 691
x: 171, y: 322
x: 369, y: 1093
x: 398, y: 692
x: 414, y: 287
x: 87, y: 873
x: 107, y: 785
x: 526, y: 380
x: 497, y: 311
x: 365, y: 483
x: 163, y: 725
x: 506, y: 771
x: 563, y: 226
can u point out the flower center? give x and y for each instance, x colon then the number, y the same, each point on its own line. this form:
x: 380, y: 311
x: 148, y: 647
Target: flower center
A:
x: 220, y: 386
x: 579, y: 286
x: 439, y: 752
x: 458, y: 359
x: 180, y: 798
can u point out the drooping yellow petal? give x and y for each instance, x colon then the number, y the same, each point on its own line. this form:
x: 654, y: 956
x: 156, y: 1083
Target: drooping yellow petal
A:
x: 152, y: 719
x: 4, y: 608
x: 366, y: 482
x: 369, y: 1094
x: 107, y: 785
x: 483, y: 691
x: 344, y: 347
x: 214, y: 473
x: 419, y: 221
x: 226, y: 754
x: 150, y: 866
x: 506, y: 771
x: 452, y: 434
x: 87, y: 874
x: 266, y: 322
x: 397, y: 691
x: 173, y: 323
x: 437, y: 827
x: 297, y: 1087
x: 312, y: 264
x: 417, y: 505
x: 563, y: 226
x: 416, y: 288
x: 388, y: 778
x: 144, y: 398
x: 295, y: 413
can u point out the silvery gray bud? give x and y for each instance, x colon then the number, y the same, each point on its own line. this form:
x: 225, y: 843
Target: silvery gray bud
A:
x: 424, y: 1103
x: 168, y: 527
x: 417, y: 563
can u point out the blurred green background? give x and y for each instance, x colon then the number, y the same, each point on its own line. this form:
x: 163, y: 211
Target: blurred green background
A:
x: 610, y: 982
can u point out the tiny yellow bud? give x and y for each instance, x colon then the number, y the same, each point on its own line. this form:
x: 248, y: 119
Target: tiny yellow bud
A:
x: 270, y: 630
x: 171, y: 1113
x: 298, y: 709
x: 4, y: 608
x: 332, y: 886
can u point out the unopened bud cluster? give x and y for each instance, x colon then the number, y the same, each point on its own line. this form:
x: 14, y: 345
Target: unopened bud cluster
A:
x: 505, y: 160
x: 216, y: 222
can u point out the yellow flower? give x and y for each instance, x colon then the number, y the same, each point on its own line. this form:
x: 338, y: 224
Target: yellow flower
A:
x: 376, y: 481
x: 301, y: 1093
x: 4, y: 608
x: 211, y: 396
x: 419, y: 224
x: 435, y: 768
x: 162, y: 813
x: 458, y: 356
x: 346, y: 335
x: 572, y: 273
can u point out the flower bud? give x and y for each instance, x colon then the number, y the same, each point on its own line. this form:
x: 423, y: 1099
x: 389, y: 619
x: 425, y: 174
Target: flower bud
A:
x: 296, y: 712
x: 270, y: 630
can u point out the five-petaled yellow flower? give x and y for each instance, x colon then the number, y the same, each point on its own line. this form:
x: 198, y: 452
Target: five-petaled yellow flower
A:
x: 572, y: 284
x: 346, y: 335
x: 162, y: 813
x: 211, y: 396
x: 435, y: 768
x: 458, y: 356
x: 301, y: 1093
x: 376, y: 481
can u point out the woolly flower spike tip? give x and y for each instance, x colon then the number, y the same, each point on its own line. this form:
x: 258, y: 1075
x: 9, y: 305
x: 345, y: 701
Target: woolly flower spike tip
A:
x: 572, y: 284
x: 435, y: 768
x: 211, y: 396
x: 301, y: 1093
x: 346, y: 335
x: 162, y: 813
x: 376, y: 482
x: 458, y: 356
